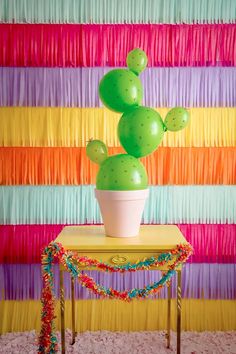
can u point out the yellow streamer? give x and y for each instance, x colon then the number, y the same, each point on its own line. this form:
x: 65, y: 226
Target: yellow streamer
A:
x: 114, y: 315
x: 59, y: 126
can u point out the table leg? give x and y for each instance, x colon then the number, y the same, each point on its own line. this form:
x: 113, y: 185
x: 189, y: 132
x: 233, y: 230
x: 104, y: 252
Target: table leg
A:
x: 62, y: 305
x: 178, y: 311
x: 168, y: 316
x: 73, y: 309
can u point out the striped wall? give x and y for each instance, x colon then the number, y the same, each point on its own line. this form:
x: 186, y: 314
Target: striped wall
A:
x: 52, y: 57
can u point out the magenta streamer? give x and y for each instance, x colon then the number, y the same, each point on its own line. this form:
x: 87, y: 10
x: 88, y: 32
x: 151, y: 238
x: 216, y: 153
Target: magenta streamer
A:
x: 77, y: 87
x: 208, y: 281
x: 107, y: 45
x: 212, y: 243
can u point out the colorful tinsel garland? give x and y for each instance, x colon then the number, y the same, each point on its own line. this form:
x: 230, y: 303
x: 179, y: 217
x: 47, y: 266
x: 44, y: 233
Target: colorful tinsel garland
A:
x: 71, y: 261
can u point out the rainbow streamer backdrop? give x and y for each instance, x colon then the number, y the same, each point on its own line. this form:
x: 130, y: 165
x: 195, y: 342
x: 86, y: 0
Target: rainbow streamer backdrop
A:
x: 52, y: 56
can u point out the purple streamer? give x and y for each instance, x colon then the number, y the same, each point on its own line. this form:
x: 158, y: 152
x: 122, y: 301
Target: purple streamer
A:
x: 208, y: 281
x: 78, y: 87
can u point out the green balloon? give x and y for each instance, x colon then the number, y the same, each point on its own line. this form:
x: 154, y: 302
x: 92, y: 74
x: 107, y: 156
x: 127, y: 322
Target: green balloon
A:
x: 96, y: 150
x: 120, y: 89
x: 137, y: 60
x: 140, y: 131
x: 176, y: 119
x: 121, y: 173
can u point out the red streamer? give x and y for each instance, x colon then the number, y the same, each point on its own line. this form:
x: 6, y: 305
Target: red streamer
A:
x: 212, y: 243
x: 107, y: 45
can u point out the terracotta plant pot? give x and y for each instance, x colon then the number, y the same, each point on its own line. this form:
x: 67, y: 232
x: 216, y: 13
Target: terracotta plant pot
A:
x: 121, y: 211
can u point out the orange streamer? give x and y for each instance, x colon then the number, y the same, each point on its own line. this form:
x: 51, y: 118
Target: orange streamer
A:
x: 63, y: 165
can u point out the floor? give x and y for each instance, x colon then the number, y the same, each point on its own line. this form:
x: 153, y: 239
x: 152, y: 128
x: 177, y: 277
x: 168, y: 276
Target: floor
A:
x: 105, y: 342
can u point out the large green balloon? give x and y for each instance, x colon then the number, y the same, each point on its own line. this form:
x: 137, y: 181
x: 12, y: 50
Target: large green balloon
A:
x: 120, y: 89
x: 140, y: 131
x: 176, y: 119
x: 121, y: 173
x: 96, y: 150
x: 137, y: 60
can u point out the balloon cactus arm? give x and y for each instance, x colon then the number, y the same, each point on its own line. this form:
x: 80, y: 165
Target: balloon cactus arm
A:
x: 96, y: 151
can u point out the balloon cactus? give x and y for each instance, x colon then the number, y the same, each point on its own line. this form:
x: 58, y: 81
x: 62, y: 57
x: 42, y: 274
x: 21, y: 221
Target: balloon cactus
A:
x: 140, y: 129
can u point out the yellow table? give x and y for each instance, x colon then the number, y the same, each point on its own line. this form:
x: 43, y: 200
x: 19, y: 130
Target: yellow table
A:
x: 92, y: 242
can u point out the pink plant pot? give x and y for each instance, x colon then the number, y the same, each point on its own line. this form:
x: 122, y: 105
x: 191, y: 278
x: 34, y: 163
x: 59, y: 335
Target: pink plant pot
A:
x: 121, y: 211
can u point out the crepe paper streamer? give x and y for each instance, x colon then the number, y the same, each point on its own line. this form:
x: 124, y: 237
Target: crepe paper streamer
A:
x: 59, y: 126
x: 118, y: 11
x: 77, y: 205
x: 94, y: 315
x: 24, y: 243
x: 199, y: 281
x: 40, y: 165
x: 53, y: 45
x: 163, y: 87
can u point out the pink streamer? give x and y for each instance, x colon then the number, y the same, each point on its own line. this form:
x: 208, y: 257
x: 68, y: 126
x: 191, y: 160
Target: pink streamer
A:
x: 212, y: 243
x: 107, y: 45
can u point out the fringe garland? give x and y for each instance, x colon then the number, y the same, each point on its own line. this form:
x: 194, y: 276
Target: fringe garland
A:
x: 78, y: 87
x: 77, y: 205
x: 73, y: 127
x: 199, y: 281
x: 118, y: 11
x: 25, y: 243
x: 173, y: 166
x: 71, y: 262
x: 108, y: 45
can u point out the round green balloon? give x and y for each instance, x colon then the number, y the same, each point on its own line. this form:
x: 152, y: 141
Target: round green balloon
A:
x: 121, y: 173
x: 140, y: 131
x: 176, y: 119
x: 137, y: 60
x: 120, y: 89
x: 96, y: 150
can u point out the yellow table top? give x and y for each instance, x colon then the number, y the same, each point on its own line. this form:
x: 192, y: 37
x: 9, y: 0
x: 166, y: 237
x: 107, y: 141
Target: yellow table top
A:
x: 93, y: 238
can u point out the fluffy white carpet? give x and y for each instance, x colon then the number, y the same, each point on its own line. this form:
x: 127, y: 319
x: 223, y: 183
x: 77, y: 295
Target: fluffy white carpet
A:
x: 122, y: 343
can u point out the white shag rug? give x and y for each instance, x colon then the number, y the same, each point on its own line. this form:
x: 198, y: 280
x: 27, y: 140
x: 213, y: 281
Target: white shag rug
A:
x: 105, y: 342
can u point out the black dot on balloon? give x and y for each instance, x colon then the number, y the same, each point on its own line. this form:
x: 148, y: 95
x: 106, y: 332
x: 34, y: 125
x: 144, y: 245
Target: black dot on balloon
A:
x: 139, y: 53
x: 183, y: 121
x: 125, y: 170
x: 115, y: 181
x: 142, y: 125
x: 126, y: 90
x: 112, y: 170
x: 140, y: 137
x: 131, y: 80
x: 96, y: 150
x: 134, y: 166
x: 132, y: 57
x: 137, y: 64
x: 148, y: 144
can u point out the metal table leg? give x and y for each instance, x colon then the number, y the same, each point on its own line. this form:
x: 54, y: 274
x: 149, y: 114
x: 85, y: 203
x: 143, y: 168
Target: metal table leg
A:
x: 73, y: 309
x: 62, y: 305
x: 178, y: 311
x: 168, y: 316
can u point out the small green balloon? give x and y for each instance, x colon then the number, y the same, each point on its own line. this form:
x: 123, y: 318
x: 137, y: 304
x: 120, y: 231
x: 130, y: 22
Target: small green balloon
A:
x: 96, y: 150
x: 120, y: 89
x: 176, y: 119
x: 137, y: 60
x: 140, y: 131
x: 121, y: 173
